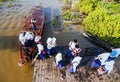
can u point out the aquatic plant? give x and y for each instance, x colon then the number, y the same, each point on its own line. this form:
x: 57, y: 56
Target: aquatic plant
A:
x: 55, y: 22
x: 9, y: 5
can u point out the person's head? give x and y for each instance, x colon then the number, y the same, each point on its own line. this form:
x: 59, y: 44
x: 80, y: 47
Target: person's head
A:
x: 54, y: 39
x: 34, y: 19
x: 77, y: 46
x: 75, y: 40
x: 49, y: 40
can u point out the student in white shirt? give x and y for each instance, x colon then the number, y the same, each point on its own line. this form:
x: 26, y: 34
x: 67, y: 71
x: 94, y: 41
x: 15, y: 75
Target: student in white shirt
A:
x: 40, y: 49
x: 54, y: 44
x: 106, y: 68
x: 58, y: 59
x: 75, y: 63
x: 21, y: 38
x: 100, y: 60
x: 49, y: 46
x: 71, y: 47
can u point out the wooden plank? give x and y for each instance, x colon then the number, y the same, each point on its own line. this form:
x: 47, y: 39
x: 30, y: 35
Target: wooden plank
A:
x: 44, y: 71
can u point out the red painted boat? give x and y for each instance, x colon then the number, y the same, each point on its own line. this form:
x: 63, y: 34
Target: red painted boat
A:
x: 38, y: 14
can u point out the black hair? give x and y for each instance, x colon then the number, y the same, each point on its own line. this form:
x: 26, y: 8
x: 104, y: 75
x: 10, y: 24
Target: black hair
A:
x: 75, y: 40
x: 77, y: 46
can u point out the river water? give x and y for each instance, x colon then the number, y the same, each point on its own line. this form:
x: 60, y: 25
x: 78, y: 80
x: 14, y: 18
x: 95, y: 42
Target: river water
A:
x: 9, y: 50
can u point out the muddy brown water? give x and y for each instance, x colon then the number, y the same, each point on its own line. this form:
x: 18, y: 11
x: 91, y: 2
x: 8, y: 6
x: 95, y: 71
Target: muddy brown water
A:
x: 9, y: 49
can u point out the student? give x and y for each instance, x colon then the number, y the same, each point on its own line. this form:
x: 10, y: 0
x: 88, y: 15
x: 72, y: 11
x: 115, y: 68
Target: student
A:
x: 75, y: 63
x: 100, y: 60
x: 62, y: 61
x: 29, y: 39
x: 58, y: 59
x: 106, y: 68
x: 75, y: 51
x: 22, y: 39
x: 40, y: 51
x: 49, y: 46
x: 71, y: 46
x: 37, y: 38
x: 115, y: 52
x: 54, y: 44
x: 33, y: 21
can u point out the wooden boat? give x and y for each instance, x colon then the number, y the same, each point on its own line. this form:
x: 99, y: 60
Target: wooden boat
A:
x: 38, y: 14
x: 99, y: 42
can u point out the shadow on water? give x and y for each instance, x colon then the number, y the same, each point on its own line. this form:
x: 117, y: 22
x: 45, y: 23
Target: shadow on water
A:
x: 9, y: 42
x: 47, y: 29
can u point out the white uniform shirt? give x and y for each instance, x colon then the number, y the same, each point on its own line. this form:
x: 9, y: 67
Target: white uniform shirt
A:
x: 49, y: 43
x: 103, y: 57
x: 72, y: 45
x: 37, y: 39
x: 40, y: 48
x: 76, y: 51
x: 109, y: 65
x: 54, y: 42
x: 33, y: 21
x: 22, y: 38
x: 75, y: 62
x: 58, y: 58
x: 29, y: 36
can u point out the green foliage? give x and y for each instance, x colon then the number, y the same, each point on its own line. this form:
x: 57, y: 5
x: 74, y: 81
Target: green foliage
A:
x: 56, y: 22
x: 9, y: 5
x: 8, y: 0
x: 104, y: 24
x: 1, y: 4
x: 68, y: 15
x: 3, y: 0
x: 85, y: 6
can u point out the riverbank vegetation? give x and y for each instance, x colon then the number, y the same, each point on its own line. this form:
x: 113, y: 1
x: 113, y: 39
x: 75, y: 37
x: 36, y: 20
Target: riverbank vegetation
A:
x: 102, y: 19
x: 9, y: 3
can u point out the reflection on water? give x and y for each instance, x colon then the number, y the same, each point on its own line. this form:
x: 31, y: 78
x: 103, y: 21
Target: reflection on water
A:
x: 9, y: 55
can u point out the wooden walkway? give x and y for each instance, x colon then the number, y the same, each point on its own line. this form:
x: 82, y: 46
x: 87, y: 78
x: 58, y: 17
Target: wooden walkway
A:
x: 45, y: 71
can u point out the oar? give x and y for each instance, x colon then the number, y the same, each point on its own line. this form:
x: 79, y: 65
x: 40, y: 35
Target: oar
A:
x: 33, y: 61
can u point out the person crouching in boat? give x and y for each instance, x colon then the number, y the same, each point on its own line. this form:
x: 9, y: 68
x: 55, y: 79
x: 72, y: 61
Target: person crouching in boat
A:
x: 106, y: 68
x: 27, y: 41
x: 33, y: 21
x: 21, y: 39
x: 74, y: 64
x: 38, y: 38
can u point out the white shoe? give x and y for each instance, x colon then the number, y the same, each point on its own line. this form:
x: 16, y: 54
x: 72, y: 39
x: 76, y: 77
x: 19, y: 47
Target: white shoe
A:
x: 61, y: 78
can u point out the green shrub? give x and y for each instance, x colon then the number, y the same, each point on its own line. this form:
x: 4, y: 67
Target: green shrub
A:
x: 85, y: 6
x: 103, y: 24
